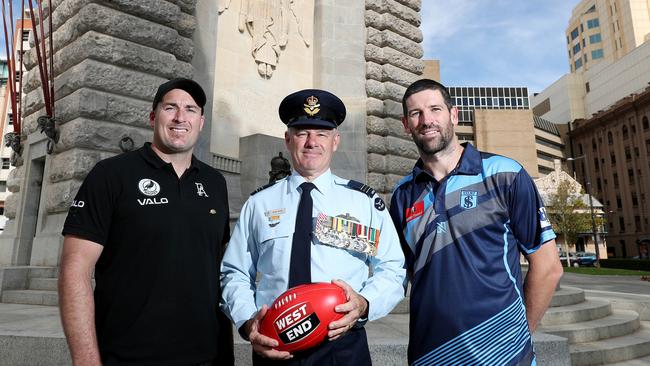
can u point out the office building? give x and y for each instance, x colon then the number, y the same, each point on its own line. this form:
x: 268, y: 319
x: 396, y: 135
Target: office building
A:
x: 603, y: 31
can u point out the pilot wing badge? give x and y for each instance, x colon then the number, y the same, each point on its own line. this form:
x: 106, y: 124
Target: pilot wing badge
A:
x: 347, y: 233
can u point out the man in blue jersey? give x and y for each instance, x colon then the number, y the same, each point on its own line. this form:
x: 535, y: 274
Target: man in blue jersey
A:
x: 463, y: 217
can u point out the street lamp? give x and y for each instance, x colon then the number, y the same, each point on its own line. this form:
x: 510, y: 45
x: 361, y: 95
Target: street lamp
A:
x: 591, y: 205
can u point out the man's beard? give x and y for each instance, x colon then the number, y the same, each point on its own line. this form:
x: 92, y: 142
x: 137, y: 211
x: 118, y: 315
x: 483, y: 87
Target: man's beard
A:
x: 434, y: 146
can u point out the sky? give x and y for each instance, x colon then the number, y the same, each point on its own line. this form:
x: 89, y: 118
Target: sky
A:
x: 488, y: 42
x: 497, y: 42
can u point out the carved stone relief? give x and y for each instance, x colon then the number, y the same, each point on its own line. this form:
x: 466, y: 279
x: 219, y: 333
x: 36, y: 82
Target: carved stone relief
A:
x: 267, y: 22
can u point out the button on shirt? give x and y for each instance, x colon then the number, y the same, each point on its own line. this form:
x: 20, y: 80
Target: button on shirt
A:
x: 261, y: 242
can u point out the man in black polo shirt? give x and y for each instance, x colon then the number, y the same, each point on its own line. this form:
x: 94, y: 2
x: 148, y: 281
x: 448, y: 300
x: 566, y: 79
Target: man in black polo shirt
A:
x: 152, y: 224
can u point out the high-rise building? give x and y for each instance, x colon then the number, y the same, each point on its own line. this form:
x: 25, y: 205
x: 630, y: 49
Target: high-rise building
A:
x: 22, y: 34
x: 603, y: 31
x: 499, y: 120
x: 605, y: 108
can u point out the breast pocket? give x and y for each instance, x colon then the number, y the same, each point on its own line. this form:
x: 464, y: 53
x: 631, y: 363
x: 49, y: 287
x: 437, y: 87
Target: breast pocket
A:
x: 274, y: 250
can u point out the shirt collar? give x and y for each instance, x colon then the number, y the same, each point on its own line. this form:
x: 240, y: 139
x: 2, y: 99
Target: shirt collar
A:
x: 152, y: 158
x: 323, y: 182
x: 470, y: 163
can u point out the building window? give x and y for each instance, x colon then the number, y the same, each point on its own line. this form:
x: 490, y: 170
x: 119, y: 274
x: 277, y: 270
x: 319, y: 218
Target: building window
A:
x: 618, y: 199
x: 635, y: 200
x: 621, y: 224
x: 6, y: 164
x: 596, y: 163
x: 596, y: 54
x: 595, y: 38
x: 587, y: 87
x: 612, y: 158
x: 610, y: 138
x: 25, y: 35
x: 576, y: 48
x: 630, y: 176
x: 593, y: 145
x: 646, y: 124
x: 593, y: 23
x: 10, y: 119
x: 574, y: 33
x: 599, y: 184
x: 18, y: 75
x: 628, y: 153
x: 625, y: 133
x: 636, y: 152
x: 578, y: 63
x: 637, y: 223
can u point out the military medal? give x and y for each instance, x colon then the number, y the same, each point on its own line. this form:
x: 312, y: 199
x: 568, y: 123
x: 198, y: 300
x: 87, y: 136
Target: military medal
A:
x: 274, y: 216
x: 345, y: 232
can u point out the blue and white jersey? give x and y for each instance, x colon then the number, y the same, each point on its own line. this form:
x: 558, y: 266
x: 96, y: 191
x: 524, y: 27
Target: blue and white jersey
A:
x: 260, y: 247
x: 462, y: 237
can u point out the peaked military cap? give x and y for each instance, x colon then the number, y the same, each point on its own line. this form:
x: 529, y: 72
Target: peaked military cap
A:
x: 312, y: 108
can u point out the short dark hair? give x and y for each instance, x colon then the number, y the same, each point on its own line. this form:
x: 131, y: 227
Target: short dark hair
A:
x: 426, y: 84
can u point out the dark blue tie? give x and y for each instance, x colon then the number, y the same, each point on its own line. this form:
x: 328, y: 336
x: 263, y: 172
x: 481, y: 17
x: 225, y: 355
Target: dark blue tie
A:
x: 300, y: 268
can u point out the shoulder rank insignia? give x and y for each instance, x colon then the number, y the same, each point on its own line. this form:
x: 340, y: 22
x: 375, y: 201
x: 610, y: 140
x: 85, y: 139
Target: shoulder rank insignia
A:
x: 358, y: 186
x: 263, y: 188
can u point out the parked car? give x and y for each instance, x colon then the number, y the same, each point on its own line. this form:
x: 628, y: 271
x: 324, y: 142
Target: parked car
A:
x: 586, y: 258
x: 573, y: 260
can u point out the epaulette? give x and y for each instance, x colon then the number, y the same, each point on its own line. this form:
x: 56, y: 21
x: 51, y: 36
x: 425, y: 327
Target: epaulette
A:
x: 263, y: 187
x: 358, y: 186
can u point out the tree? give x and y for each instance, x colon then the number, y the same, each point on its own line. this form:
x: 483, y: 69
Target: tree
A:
x: 568, y: 213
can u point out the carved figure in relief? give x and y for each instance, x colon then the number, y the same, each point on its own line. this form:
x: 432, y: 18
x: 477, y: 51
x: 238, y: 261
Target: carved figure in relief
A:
x: 267, y: 22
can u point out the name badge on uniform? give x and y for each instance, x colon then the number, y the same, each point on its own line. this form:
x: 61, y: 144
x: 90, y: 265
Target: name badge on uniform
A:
x: 345, y: 232
x: 274, y: 216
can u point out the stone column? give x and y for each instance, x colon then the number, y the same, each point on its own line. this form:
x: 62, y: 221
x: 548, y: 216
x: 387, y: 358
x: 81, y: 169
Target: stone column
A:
x: 109, y: 58
x: 393, y: 61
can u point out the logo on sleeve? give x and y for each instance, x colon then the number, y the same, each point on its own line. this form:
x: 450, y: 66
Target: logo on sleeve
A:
x: 468, y: 199
x: 149, y: 187
x: 543, y: 218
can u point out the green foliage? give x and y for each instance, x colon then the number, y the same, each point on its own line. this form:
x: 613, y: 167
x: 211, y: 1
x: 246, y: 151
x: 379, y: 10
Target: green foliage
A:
x: 606, y: 271
x: 635, y: 264
x: 568, y: 214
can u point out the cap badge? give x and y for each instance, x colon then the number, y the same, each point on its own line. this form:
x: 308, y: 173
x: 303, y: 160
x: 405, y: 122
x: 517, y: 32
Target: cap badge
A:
x: 312, y: 107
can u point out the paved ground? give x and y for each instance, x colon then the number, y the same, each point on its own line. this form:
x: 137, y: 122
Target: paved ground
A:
x: 624, y: 284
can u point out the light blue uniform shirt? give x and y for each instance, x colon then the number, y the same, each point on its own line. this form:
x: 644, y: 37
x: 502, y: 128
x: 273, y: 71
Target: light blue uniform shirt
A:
x: 261, y: 242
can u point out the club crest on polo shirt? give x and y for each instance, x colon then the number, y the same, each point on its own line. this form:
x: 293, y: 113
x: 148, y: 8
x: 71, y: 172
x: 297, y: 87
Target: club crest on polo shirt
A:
x: 468, y: 199
x: 150, y: 188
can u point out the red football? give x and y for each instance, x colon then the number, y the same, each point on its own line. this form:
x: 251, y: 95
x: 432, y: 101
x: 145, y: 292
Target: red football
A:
x: 298, y: 318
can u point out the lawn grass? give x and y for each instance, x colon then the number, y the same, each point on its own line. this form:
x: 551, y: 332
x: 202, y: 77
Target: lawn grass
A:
x: 606, y: 271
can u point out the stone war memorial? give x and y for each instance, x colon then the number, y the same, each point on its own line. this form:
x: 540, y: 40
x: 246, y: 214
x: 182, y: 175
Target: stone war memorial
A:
x: 110, y: 56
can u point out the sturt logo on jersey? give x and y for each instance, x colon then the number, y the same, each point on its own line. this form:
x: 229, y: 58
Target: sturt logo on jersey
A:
x: 296, y: 323
x: 468, y: 199
x: 149, y: 187
x: 199, y: 190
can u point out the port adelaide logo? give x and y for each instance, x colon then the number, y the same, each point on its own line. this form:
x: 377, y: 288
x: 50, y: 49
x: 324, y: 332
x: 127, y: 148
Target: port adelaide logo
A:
x: 150, y: 188
x: 296, y: 323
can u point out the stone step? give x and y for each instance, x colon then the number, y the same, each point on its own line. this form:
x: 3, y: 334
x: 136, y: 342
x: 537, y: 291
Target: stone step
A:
x: 31, y: 297
x: 590, y: 309
x: 43, y: 272
x: 567, y: 296
x: 643, y: 361
x: 46, y: 284
x: 621, y: 322
x: 624, y: 348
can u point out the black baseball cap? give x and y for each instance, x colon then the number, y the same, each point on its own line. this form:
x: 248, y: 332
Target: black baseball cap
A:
x: 190, y: 86
x: 312, y: 108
